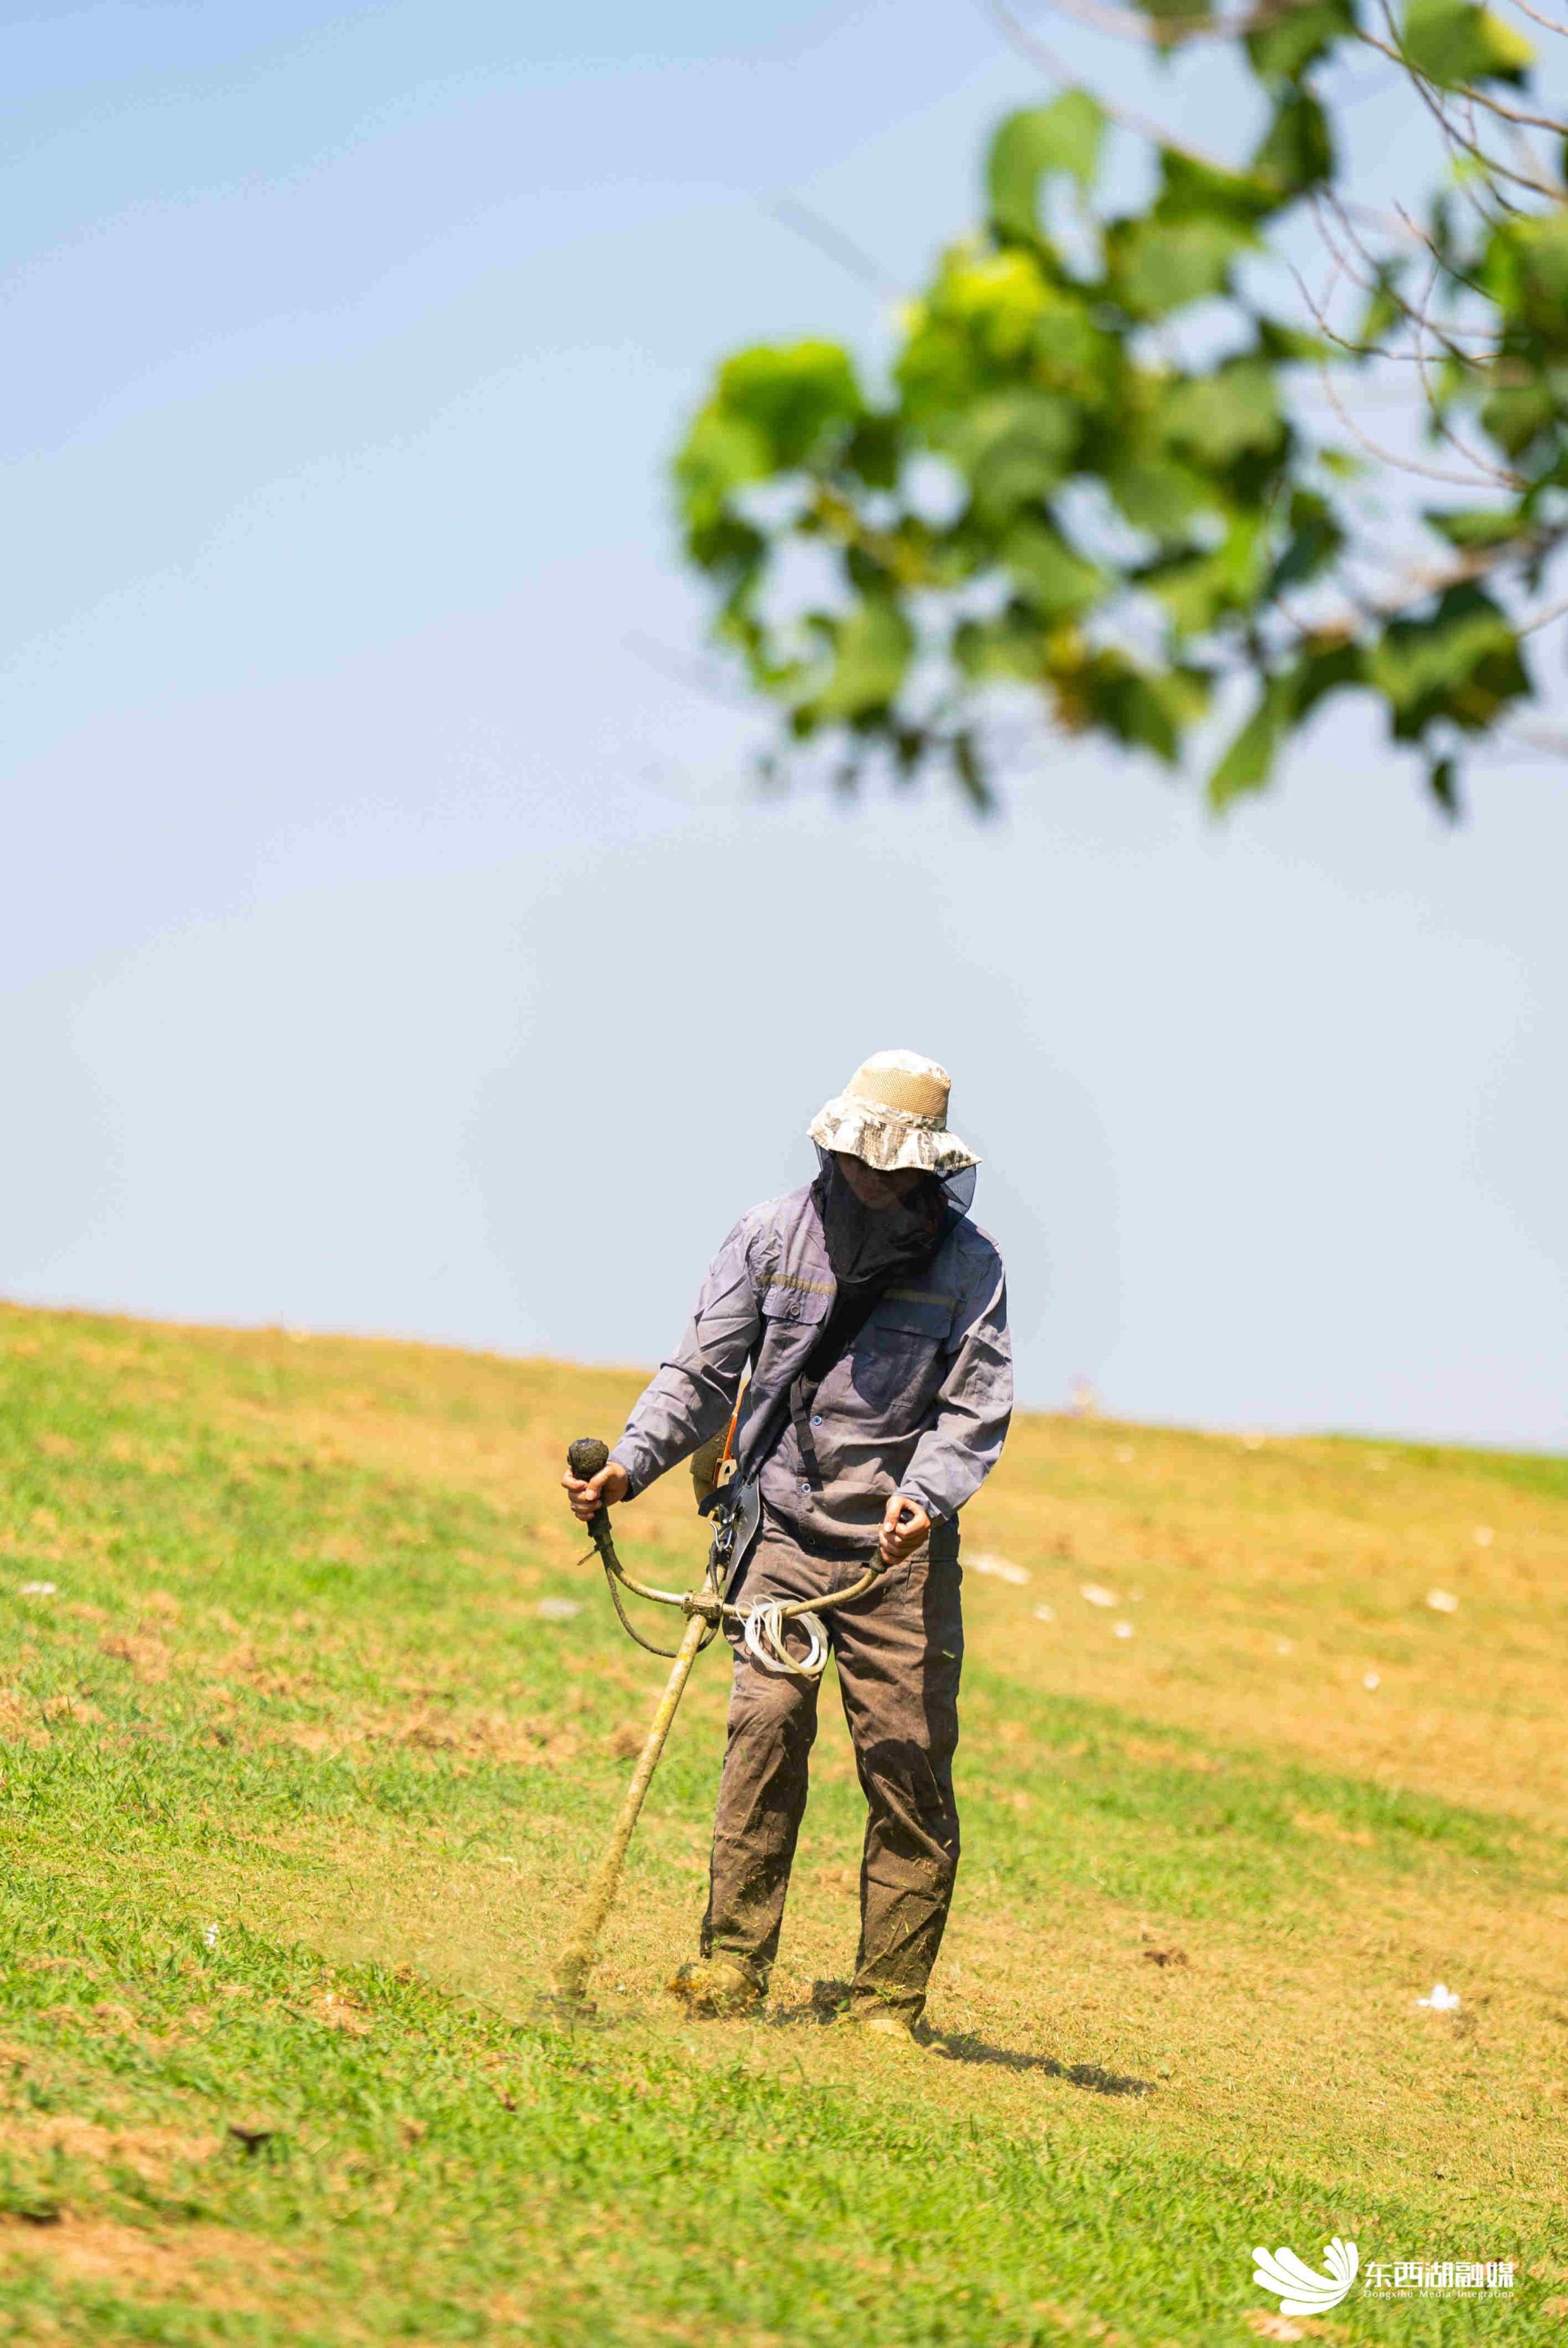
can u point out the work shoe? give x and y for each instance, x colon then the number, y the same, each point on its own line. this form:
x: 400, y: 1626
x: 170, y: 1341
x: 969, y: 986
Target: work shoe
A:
x: 714, y: 1986
x: 884, y: 2023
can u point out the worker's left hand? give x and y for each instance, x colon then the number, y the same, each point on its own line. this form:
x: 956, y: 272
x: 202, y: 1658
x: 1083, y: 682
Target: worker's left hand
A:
x: 905, y: 1526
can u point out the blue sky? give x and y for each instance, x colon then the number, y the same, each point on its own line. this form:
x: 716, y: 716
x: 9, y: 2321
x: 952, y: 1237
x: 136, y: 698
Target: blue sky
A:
x: 388, y: 941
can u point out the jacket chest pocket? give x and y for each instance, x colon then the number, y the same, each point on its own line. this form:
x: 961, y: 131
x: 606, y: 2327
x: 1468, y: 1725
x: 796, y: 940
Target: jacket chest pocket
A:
x: 897, y: 1351
x: 791, y: 1317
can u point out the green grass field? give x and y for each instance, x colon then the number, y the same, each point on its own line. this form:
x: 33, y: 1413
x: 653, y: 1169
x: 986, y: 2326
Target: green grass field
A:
x: 299, y: 1783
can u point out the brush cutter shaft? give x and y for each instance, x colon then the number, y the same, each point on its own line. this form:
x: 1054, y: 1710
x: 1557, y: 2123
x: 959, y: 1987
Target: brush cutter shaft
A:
x: 577, y: 1958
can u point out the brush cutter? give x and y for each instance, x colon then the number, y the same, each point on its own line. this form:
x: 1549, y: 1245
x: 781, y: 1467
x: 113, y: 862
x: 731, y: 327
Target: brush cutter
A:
x: 735, y: 1511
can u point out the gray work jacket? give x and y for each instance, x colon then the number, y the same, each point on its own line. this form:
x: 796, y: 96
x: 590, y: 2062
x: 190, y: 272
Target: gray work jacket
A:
x: 919, y: 1405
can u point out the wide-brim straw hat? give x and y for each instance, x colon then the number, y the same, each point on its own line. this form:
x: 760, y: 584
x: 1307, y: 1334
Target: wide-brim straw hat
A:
x: 893, y: 1114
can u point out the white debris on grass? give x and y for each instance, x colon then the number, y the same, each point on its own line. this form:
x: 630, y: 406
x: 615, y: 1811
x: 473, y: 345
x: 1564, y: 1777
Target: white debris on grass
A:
x: 1285, y: 1646
x: 1484, y: 1535
x: 558, y: 1609
x: 1001, y: 1569
x: 1097, y: 1594
x: 1442, y: 2000
x: 1442, y: 1601
x: 1045, y: 1613
x: 37, y: 1589
x: 209, y: 1936
x: 1121, y: 1630
x: 1372, y: 1680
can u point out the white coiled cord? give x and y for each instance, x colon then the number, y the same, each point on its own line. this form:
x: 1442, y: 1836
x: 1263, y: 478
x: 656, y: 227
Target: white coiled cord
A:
x: 765, y: 1625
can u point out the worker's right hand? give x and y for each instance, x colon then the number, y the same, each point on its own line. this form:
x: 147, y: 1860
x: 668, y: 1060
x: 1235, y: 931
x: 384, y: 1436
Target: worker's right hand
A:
x: 600, y: 1491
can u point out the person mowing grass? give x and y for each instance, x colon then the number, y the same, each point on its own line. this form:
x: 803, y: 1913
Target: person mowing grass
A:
x: 873, y: 1315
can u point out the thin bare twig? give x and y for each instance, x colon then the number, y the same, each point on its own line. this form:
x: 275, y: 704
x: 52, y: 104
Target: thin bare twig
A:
x: 1499, y: 474
x: 1541, y: 737
x: 1456, y: 150
x: 1451, y: 136
x: 792, y: 213
x: 676, y: 669
x: 1029, y: 45
x: 1506, y: 113
x: 1388, y: 456
x: 1547, y: 24
x: 1441, y: 260
x: 1375, y: 284
x: 1544, y: 619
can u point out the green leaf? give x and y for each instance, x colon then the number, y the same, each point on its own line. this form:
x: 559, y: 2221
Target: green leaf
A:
x: 1516, y: 414
x: 729, y: 549
x: 1014, y: 450
x: 971, y: 775
x: 1223, y: 416
x: 1194, y: 589
x: 799, y: 399
x: 719, y: 454
x: 1327, y: 665
x: 1442, y: 782
x: 1158, y: 495
x: 1461, y: 662
x: 1171, y: 18
x: 975, y: 330
x: 1063, y: 137
x: 876, y: 450
x: 1145, y: 709
x: 1476, y: 525
x: 1199, y: 589
x: 1249, y: 762
x: 1316, y: 538
x: 1154, y: 267
x: 1284, y: 45
x: 1190, y: 189
x: 1011, y: 648
x: 1298, y: 151
x: 871, y: 647
x: 1052, y: 577
x: 1528, y: 269
x: 1291, y: 345
x: 1455, y: 41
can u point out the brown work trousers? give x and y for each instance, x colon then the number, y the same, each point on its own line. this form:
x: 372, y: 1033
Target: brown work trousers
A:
x: 899, y: 1651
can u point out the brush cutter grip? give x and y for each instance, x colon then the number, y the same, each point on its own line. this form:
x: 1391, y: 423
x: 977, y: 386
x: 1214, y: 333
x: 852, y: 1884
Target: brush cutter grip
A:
x: 586, y: 1458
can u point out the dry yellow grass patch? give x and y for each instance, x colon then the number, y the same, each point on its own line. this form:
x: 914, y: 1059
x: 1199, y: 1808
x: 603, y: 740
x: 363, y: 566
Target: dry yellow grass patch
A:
x: 1226, y: 1558
x: 150, y: 2153
x: 216, y: 2268
x: 1264, y: 1587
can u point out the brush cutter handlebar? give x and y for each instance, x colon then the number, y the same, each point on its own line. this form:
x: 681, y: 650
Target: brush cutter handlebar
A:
x: 762, y: 1626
